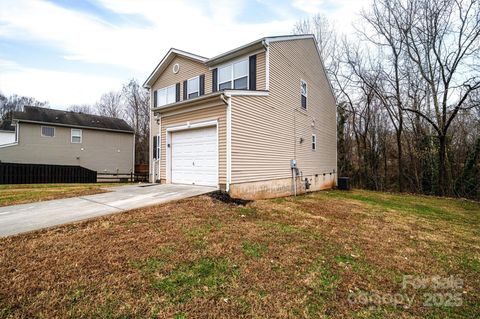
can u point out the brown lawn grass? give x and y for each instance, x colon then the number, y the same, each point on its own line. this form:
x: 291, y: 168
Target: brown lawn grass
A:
x: 28, y: 193
x: 280, y: 258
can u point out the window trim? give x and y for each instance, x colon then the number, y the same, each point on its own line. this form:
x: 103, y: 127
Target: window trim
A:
x: 304, y: 95
x: 41, y: 131
x: 71, y: 135
x: 198, y: 87
x: 166, y: 95
x: 314, y: 142
x: 232, y: 78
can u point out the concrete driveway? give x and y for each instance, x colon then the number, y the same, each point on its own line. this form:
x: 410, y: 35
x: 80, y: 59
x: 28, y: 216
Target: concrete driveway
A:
x: 26, y: 217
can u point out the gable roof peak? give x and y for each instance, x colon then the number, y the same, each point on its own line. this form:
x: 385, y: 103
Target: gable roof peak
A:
x: 257, y: 44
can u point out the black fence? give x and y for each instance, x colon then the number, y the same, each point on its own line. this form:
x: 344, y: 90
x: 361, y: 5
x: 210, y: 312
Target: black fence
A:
x: 13, y: 173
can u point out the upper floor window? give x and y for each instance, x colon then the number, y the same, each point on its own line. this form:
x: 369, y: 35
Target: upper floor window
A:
x: 303, y: 91
x: 48, y: 131
x: 314, y: 142
x: 166, y: 95
x: 76, y: 135
x: 193, y: 88
x: 233, y: 76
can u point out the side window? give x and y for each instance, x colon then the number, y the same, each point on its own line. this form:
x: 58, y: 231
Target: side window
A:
x: 76, y: 136
x: 233, y: 76
x: 240, y: 75
x: 225, y: 78
x: 166, y: 95
x: 48, y: 131
x: 314, y: 142
x: 193, y: 88
x: 304, y: 92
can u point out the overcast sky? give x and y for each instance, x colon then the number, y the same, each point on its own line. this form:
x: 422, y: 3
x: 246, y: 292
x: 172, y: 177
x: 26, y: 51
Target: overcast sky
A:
x: 70, y: 52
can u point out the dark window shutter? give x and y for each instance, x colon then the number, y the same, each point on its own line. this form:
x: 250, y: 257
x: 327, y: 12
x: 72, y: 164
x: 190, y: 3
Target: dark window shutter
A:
x: 177, y: 92
x: 154, y: 98
x: 185, y: 90
x: 252, y: 72
x: 202, y: 84
x: 304, y: 102
x: 214, y: 79
x: 154, y: 151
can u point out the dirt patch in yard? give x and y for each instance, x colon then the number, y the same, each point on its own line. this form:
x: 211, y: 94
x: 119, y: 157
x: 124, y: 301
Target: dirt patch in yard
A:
x: 305, y: 257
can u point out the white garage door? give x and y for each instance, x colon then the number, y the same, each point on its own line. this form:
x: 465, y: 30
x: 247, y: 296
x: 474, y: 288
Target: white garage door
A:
x: 194, y: 156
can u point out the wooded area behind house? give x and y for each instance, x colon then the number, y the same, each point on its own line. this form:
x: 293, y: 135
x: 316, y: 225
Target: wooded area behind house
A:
x: 407, y: 84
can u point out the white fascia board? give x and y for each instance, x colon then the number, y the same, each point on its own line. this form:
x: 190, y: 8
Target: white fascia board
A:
x: 288, y: 37
x: 230, y: 93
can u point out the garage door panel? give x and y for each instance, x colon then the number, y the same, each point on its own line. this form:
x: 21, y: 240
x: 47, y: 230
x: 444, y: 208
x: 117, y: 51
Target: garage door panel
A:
x: 194, y: 157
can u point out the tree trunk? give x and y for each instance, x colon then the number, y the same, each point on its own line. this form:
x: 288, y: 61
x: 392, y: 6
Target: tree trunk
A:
x: 400, y: 157
x: 442, y: 171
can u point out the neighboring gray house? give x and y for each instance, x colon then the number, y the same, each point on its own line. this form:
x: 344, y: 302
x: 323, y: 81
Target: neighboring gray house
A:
x: 239, y: 121
x: 48, y: 136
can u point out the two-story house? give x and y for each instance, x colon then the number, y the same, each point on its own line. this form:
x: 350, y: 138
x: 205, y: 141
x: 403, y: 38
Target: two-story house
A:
x: 258, y: 121
x: 57, y: 137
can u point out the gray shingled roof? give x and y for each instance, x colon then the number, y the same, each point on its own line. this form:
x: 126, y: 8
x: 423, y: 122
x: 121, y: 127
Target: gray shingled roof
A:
x: 74, y: 119
x: 6, y: 125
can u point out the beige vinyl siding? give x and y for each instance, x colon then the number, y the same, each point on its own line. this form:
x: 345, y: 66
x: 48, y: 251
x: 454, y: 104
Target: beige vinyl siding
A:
x: 266, y: 130
x: 261, y: 83
x: 214, y: 112
x: 260, y: 139
x: 103, y: 151
x: 188, y: 70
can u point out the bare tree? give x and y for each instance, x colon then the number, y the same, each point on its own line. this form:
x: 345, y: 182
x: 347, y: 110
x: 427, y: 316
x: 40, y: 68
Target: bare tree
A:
x: 15, y: 102
x: 110, y: 104
x: 137, y: 113
x: 409, y: 96
x: 442, y: 41
x: 82, y: 108
x: 388, y: 38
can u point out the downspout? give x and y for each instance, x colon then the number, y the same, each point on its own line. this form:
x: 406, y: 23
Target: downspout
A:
x: 150, y: 142
x: 158, y: 163
x: 294, y: 169
x: 267, y: 64
x: 228, y: 100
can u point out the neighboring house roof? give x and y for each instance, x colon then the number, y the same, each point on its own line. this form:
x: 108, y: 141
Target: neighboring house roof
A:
x: 255, y: 45
x: 42, y: 115
x: 6, y: 125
